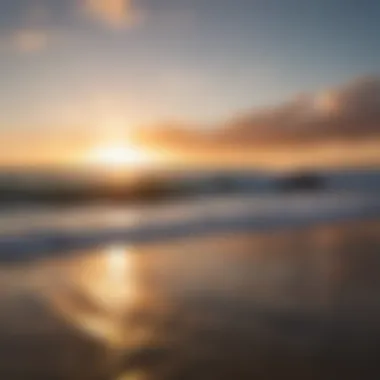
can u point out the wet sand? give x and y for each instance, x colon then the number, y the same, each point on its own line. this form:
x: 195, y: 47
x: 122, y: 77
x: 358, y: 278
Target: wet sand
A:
x: 298, y: 303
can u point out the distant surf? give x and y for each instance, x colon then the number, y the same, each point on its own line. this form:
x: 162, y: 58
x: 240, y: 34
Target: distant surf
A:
x: 37, y: 233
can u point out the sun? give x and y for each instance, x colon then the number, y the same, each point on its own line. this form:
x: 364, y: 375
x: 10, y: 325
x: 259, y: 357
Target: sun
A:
x: 118, y: 156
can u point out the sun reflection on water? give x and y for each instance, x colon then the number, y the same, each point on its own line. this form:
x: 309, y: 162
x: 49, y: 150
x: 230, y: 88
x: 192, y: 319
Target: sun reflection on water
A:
x: 112, y: 286
x: 98, y: 292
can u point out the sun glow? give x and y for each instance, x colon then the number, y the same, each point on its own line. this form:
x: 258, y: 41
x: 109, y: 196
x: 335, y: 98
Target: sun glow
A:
x: 119, y: 156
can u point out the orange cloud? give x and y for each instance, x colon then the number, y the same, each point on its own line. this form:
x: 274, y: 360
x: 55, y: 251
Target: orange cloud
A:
x: 114, y: 13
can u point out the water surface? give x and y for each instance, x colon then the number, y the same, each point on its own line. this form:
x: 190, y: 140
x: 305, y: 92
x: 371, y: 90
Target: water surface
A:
x: 294, y: 302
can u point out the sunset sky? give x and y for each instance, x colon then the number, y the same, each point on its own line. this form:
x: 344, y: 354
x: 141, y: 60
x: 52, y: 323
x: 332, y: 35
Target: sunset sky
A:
x: 78, y: 71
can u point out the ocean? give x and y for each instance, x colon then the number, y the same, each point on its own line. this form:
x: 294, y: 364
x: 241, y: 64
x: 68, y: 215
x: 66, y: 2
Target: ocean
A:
x: 239, y: 286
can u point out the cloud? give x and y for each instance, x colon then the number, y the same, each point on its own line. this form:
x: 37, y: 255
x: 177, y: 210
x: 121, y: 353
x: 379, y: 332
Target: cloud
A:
x: 347, y: 112
x: 29, y: 41
x: 344, y: 114
x: 26, y: 27
x: 113, y: 13
x: 24, y: 41
x: 31, y: 26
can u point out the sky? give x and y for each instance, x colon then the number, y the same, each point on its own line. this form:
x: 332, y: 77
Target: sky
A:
x: 97, y: 67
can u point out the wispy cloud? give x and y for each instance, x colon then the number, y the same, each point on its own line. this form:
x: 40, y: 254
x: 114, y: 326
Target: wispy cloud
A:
x: 113, y: 13
x: 25, y: 41
x: 27, y: 28
x: 29, y: 40
x: 32, y: 26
